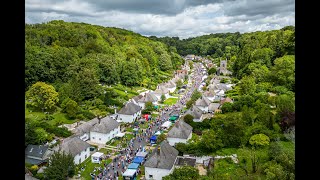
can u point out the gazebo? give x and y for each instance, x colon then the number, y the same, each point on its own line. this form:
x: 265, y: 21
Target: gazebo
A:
x: 138, y: 160
x: 129, y: 174
x: 95, y: 158
x: 142, y: 154
x: 133, y: 166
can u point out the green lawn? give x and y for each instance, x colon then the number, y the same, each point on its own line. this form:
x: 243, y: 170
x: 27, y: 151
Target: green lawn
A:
x: 170, y: 101
x: 105, y: 151
x: 57, y: 117
x: 89, y: 167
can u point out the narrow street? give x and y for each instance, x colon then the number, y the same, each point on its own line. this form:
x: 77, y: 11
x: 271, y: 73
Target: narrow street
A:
x: 121, y: 161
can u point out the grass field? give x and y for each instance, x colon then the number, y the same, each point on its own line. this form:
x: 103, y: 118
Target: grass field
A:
x: 57, y: 117
x: 89, y: 167
x: 170, y: 101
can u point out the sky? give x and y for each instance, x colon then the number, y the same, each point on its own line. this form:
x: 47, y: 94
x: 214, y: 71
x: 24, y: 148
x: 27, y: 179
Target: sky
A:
x: 173, y: 18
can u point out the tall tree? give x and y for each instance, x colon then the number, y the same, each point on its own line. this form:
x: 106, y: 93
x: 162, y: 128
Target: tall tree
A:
x: 42, y: 96
x: 61, y: 166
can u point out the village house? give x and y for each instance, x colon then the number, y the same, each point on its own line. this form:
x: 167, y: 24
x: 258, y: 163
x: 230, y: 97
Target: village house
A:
x: 83, y: 130
x: 224, y: 100
x: 213, y: 107
x: 37, y: 154
x: 129, y: 112
x: 161, y: 90
x: 148, y: 97
x: 80, y: 150
x: 171, y: 86
x: 210, y: 94
x: 136, y: 98
x: 181, y: 132
x: 196, y: 113
x: 161, y: 161
x: 105, y: 130
x: 190, y: 57
x: 203, y: 104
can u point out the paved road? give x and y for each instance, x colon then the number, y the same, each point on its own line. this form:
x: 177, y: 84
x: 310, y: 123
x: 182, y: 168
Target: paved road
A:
x: 112, y: 170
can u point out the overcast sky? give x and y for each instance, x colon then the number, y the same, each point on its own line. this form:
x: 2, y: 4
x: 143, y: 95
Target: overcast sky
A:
x: 182, y: 18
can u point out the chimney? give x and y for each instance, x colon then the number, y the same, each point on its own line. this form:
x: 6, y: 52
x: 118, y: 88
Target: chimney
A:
x: 115, y: 111
x: 99, y: 119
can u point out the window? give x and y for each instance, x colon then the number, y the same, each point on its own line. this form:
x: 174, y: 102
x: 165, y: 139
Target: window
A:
x: 79, y: 160
x: 99, y: 139
x: 150, y: 176
x: 92, y: 137
x: 85, y: 156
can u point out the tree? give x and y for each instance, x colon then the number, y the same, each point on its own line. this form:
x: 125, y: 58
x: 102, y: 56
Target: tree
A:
x: 179, y: 84
x: 210, y: 141
x: 283, y: 71
x: 61, y: 166
x: 165, y: 62
x: 42, y: 136
x: 149, y: 107
x: 257, y: 141
x: 160, y: 138
x: 212, y: 71
x: 71, y: 108
x: 183, y: 173
x: 247, y: 85
x: 188, y: 118
x: 189, y: 104
x: 227, y: 107
x: 42, y: 96
x: 163, y: 98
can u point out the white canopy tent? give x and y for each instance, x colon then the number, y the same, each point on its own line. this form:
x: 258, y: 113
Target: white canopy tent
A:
x: 157, y: 133
x: 142, y: 154
x: 129, y: 172
x: 166, y: 124
x: 95, y: 158
x: 120, y: 134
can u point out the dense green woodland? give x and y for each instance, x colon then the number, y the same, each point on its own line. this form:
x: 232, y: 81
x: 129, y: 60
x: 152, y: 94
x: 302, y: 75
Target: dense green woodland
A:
x: 66, y: 62
x: 259, y: 126
x: 244, y: 51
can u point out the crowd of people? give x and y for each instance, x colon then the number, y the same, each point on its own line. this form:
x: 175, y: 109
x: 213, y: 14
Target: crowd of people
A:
x: 120, y: 162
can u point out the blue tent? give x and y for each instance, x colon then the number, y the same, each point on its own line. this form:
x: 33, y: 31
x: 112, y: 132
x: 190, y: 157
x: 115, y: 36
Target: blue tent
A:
x: 133, y: 166
x: 138, y: 160
x: 153, y: 139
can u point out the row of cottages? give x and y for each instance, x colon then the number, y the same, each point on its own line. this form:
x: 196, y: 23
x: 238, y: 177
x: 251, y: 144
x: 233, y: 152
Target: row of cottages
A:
x: 148, y: 97
x: 129, y: 112
x: 98, y: 130
x: 181, y: 132
x: 161, y: 161
x: 79, y: 149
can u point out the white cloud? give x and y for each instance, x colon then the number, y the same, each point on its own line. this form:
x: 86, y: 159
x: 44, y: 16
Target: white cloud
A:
x: 192, y: 21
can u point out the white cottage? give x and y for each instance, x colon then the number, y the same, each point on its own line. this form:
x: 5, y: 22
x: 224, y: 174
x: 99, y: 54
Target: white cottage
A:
x: 129, y: 113
x: 105, y: 130
x: 171, y: 86
x: 136, y: 98
x: 203, y: 104
x: 210, y: 94
x: 161, y: 90
x: 148, y: 97
x: 181, y: 132
x: 83, y: 130
x: 196, y: 113
x: 79, y: 149
x: 161, y: 161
